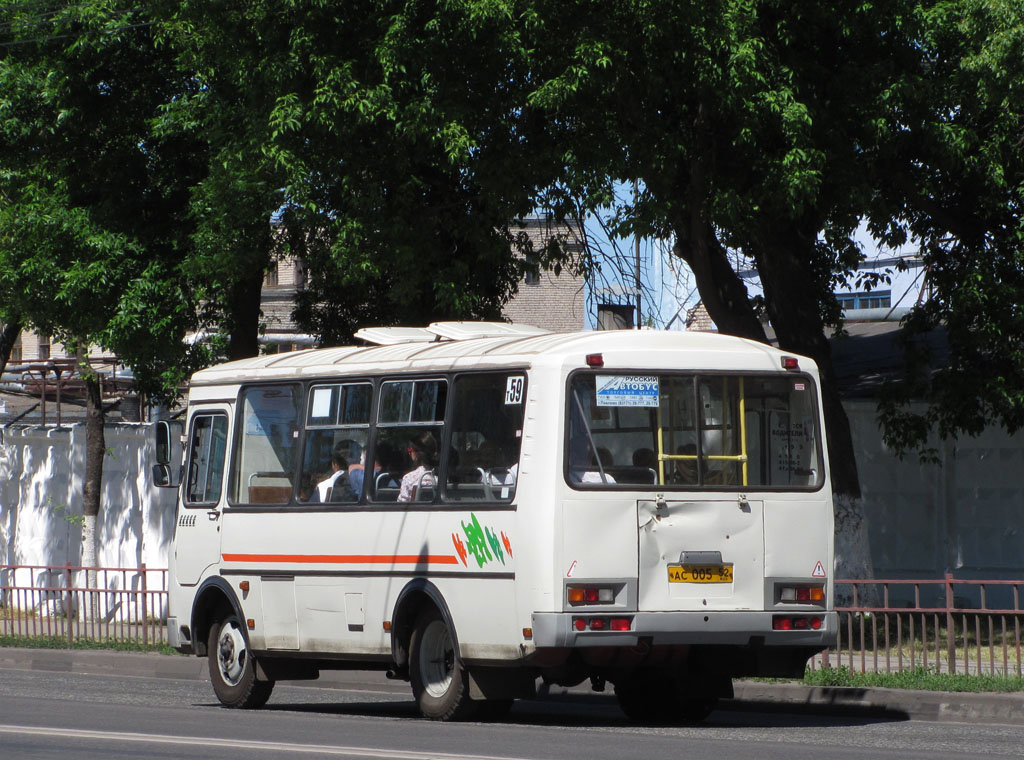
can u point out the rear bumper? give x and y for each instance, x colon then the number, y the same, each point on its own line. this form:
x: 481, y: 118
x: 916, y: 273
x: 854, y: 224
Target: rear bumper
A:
x: 742, y: 628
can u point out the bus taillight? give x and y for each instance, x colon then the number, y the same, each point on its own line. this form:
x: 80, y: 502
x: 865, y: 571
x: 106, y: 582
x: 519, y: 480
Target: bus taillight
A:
x: 802, y: 594
x: 796, y: 622
x: 590, y: 595
x: 602, y: 623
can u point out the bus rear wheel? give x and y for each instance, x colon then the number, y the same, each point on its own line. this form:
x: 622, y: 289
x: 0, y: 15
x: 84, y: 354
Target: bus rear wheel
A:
x: 233, y: 668
x: 664, y: 699
x: 440, y: 683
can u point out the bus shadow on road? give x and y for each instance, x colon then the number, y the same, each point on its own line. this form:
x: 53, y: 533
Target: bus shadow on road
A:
x: 577, y: 713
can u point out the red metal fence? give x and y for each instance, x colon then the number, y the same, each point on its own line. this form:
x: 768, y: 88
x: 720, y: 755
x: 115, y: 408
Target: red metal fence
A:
x: 944, y: 625
x: 102, y: 604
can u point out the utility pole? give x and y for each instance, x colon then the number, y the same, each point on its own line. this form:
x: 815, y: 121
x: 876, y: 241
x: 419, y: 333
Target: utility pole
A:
x: 636, y: 243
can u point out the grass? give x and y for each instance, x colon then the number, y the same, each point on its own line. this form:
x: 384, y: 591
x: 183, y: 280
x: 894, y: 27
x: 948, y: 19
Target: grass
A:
x: 918, y: 678
x: 59, y: 642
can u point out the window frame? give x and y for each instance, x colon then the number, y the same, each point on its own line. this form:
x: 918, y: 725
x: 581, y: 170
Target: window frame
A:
x: 301, y: 389
x: 305, y: 428
x: 443, y: 461
x: 696, y: 375
x: 212, y: 415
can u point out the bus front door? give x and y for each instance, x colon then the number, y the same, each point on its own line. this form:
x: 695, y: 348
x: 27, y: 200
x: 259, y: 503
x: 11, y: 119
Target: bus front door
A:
x: 700, y: 555
x: 198, y: 527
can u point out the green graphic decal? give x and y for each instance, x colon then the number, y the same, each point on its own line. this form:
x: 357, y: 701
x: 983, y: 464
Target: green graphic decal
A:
x: 482, y: 543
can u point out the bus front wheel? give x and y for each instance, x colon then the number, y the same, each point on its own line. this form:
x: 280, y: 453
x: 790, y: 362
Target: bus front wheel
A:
x: 440, y: 683
x: 232, y: 667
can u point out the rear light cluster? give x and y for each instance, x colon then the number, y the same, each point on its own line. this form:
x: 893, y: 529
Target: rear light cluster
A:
x: 590, y: 595
x: 797, y: 623
x: 802, y: 594
x: 602, y: 623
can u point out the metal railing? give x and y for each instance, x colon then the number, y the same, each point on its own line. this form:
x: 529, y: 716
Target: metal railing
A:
x: 944, y: 625
x: 73, y: 603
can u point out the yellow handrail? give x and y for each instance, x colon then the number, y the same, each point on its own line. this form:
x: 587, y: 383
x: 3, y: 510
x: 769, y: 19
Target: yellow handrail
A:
x: 741, y: 457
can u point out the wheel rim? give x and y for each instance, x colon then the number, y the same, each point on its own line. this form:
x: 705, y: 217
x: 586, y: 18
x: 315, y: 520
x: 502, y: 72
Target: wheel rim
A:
x: 437, y: 659
x: 232, y: 653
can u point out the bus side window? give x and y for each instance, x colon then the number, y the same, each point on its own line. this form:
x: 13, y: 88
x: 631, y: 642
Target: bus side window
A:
x: 337, y: 431
x: 410, y: 426
x: 487, y: 429
x: 265, y: 458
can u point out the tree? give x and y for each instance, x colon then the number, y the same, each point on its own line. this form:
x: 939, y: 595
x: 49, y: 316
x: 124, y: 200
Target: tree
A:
x: 228, y: 54
x: 774, y: 129
x: 371, y: 127
x: 964, y: 201
x: 91, y: 230
x: 750, y: 127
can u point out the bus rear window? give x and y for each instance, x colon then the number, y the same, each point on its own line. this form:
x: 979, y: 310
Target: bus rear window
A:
x: 693, y: 431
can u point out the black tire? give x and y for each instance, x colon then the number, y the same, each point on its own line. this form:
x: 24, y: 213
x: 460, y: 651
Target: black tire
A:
x: 440, y: 683
x: 644, y: 698
x: 493, y: 709
x: 656, y: 698
x: 233, y: 668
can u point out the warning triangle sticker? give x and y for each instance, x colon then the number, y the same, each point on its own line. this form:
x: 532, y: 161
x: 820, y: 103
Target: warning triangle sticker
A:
x: 819, y: 571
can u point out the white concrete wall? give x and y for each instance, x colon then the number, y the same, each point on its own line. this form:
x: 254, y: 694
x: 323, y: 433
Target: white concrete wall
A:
x: 961, y: 515
x: 41, y: 477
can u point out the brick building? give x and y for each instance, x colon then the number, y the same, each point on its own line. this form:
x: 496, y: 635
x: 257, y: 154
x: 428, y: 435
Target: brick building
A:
x: 554, y: 302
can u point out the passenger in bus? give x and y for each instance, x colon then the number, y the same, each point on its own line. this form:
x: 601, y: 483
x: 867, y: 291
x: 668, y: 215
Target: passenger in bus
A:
x: 685, y: 469
x: 335, y: 486
x: 583, y: 464
x: 646, y: 461
x: 423, y: 455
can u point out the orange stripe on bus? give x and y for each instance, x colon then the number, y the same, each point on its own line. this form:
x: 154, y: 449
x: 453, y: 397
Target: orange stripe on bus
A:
x: 347, y: 559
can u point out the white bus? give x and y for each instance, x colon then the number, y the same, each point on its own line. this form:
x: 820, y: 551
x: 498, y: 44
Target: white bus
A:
x: 479, y: 507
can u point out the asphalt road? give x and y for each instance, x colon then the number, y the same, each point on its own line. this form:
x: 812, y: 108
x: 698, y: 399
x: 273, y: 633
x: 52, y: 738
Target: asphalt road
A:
x: 60, y: 715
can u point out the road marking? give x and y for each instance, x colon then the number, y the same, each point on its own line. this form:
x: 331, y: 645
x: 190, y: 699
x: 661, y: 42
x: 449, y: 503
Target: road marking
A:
x: 321, y: 749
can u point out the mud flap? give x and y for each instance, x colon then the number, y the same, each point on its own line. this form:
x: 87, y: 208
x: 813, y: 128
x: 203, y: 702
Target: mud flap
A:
x: 501, y: 683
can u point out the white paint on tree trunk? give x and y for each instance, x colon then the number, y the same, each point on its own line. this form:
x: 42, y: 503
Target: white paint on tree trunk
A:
x: 852, y: 547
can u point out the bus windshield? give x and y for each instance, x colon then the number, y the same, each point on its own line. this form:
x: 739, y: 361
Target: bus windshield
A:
x: 707, y: 431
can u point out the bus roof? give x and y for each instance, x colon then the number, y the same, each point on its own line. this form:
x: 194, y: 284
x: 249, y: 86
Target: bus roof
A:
x: 620, y: 349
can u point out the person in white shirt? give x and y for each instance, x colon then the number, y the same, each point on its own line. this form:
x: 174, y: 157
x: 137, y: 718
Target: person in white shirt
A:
x: 423, y: 455
x: 329, y: 488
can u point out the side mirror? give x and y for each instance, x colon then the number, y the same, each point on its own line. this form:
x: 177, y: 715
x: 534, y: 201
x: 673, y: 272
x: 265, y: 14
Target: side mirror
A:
x: 165, y: 473
x: 162, y: 476
x: 163, y: 442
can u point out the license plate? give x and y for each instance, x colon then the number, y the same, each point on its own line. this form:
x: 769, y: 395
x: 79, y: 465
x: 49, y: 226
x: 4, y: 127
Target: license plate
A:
x: 700, y: 573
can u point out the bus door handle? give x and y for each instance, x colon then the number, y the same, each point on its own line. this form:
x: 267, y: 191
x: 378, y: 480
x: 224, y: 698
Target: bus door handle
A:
x: 213, y: 514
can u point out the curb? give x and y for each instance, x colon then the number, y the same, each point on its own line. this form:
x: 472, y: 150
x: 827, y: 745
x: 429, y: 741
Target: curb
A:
x: 750, y: 696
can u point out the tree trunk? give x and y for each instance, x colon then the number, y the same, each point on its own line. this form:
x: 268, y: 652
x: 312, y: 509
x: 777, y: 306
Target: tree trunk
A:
x: 8, y: 337
x: 95, y: 450
x: 244, y: 301
x: 244, y: 317
x: 723, y: 293
x: 790, y: 291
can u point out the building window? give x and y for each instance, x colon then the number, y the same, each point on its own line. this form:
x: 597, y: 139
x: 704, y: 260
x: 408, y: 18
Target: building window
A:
x: 44, y: 347
x: 875, y: 299
x: 532, y: 273
x: 16, y: 352
x: 270, y: 278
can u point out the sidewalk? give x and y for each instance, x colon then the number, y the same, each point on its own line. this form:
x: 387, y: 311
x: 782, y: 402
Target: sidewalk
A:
x: 895, y: 704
